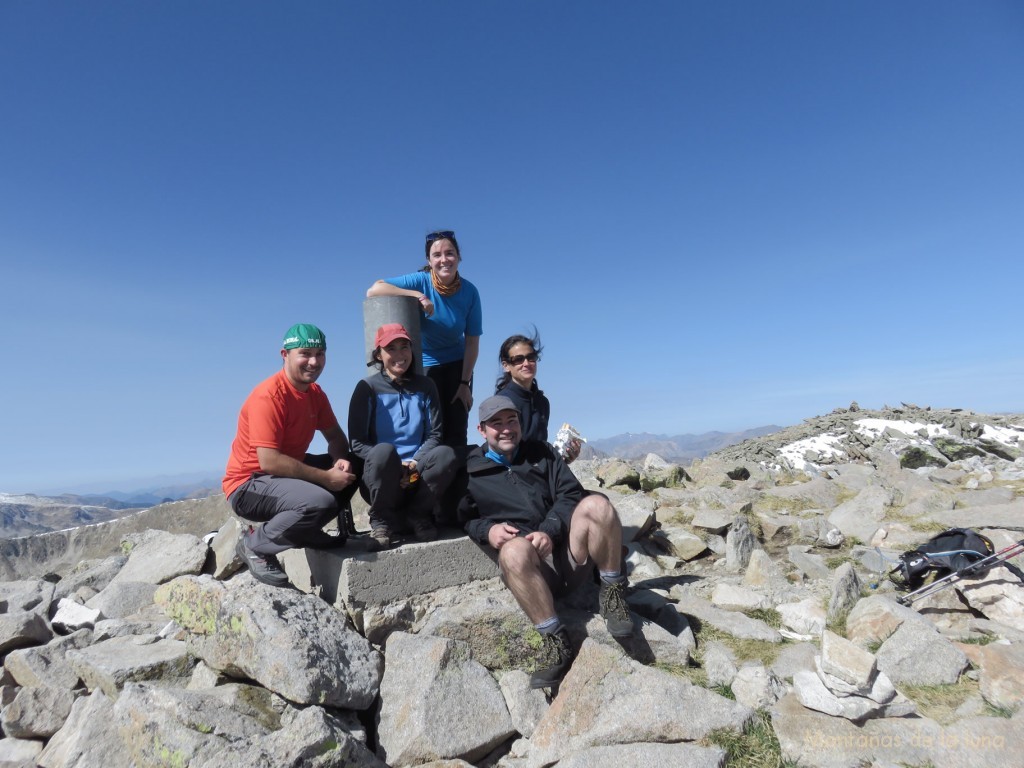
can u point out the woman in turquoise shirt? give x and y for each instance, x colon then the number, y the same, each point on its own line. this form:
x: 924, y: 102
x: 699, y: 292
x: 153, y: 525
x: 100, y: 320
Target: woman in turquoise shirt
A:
x: 450, y: 329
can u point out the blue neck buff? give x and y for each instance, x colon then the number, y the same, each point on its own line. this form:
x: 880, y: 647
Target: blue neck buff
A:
x: 498, y: 457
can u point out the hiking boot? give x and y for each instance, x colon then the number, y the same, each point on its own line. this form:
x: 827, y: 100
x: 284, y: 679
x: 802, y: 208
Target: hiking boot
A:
x: 380, y: 535
x: 612, y: 598
x: 263, y: 568
x: 556, y: 658
x: 423, y: 527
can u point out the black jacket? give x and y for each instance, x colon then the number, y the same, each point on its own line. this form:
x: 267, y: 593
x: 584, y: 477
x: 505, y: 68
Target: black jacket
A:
x: 537, y: 493
x: 534, y: 409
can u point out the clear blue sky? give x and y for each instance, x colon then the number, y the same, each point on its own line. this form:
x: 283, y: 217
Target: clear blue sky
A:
x: 719, y: 214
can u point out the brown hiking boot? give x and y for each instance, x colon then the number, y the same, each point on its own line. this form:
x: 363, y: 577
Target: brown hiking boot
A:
x: 380, y: 534
x: 612, y: 598
x: 556, y: 658
x: 423, y: 527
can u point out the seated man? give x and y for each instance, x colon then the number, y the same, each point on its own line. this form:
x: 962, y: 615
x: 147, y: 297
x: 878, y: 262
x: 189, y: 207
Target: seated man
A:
x: 270, y: 478
x: 548, y: 532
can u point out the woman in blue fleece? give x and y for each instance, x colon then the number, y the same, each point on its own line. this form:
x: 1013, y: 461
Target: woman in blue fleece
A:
x: 394, y: 430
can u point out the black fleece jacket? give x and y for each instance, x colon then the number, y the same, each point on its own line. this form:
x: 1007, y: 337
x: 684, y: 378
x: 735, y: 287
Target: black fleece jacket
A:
x: 537, y: 493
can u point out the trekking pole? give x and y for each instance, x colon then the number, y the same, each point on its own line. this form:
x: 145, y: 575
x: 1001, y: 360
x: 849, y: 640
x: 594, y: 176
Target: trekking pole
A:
x: 996, y: 558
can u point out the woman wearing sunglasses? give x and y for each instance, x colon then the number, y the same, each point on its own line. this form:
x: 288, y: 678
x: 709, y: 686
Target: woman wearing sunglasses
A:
x: 519, y: 356
x: 450, y: 330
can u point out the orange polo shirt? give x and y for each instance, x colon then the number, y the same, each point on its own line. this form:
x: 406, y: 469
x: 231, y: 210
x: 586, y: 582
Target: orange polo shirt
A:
x: 276, y: 415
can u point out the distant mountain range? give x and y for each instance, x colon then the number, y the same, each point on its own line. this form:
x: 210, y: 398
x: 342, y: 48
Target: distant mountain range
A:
x: 675, y: 448
x: 27, y: 514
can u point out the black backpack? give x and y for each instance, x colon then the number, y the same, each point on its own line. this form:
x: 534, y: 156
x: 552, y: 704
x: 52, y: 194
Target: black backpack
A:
x: 948, y: 552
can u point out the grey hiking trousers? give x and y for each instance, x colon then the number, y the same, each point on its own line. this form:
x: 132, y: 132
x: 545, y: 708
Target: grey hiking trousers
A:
x: 292, y: 511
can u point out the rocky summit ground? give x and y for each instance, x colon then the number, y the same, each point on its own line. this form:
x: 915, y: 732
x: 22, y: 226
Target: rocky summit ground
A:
x: 768, y: 632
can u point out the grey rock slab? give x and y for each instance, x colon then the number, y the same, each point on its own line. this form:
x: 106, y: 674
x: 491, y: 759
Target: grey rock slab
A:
x: 757, y: 687
x: 814, y: 694
x: 736, y: 624
x: 71, y: 616
x: 646, y: 754
x: 26, y: 595
x: 685, y: 545
x: 23, y: 628
x: 157, y: 556
x: 437, y: 703
x: 618, y: 473
x: 95, y: 573
x: 853, y: 477
x: 650, y: 642
x: 19, y: 753
x: 916, y: 654
x: 817, y: 493
x: 805, y: 617
x: 811, y: 565
x: 994, y: 629
x: 526, y: 705
x: 225, y: 561
x: 602, y: 684
x: 1009, y: 516
x: 740, y: 542
x: 37, y: 713
x: 122, y: 598
x: 308, y: 738
x: 109, y: 664
x: 792, y: 658
x: 761, y: 570
x: 778, y: 531
x: 811, y: 738
x: 998, y: 595
x: 880, y: 690
x: 88, y: 728
x: 820, y: 532
x: 47, y: 664
x: 719, y: 663
x: 1002, y: 680
x: 106, y: 629
x: 847, y: 661
x: 861, y: 516
x: 292, y: 643
x: 846, y: 588
x: 153, y: 726
x: 653, y: 478
x: 204, y: 677
x: 987, y: 497
x: 874, y: 618
x: 730, y: 597
x: 485, y: 622
x: 712, y: 520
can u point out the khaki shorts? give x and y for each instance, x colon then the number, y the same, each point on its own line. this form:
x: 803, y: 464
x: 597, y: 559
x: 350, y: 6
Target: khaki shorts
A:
x: 560, y: 570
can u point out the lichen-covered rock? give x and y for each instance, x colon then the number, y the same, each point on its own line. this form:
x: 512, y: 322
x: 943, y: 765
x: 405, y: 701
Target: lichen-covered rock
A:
x: 293, y: 643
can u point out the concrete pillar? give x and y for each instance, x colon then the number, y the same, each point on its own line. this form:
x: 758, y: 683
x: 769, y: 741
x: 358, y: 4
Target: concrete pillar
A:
x: 379, y: 310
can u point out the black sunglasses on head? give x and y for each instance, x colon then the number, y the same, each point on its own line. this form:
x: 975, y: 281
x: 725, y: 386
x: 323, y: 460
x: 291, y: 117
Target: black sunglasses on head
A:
x: 443, y: 234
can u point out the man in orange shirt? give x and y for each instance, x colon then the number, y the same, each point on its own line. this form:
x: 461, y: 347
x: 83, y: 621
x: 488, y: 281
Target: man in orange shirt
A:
x: 270, y: 479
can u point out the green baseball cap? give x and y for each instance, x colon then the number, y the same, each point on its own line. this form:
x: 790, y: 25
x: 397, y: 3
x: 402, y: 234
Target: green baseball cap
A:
x: 304, y: 336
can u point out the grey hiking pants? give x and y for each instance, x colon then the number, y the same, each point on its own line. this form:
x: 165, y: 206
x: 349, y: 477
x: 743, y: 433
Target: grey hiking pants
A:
x: 293, y: 512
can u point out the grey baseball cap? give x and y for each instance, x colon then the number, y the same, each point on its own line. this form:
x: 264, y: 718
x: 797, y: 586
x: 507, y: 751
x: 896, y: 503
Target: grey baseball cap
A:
x: 495, y: 404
